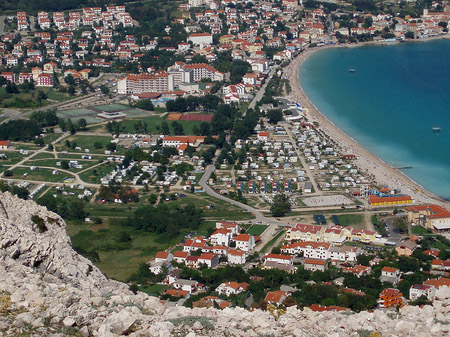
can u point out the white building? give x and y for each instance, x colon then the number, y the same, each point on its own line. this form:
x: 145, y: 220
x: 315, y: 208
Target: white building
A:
x: 201, y: 39
x: 418, y: 290
x: 245, y: 242
x: 236, y: 256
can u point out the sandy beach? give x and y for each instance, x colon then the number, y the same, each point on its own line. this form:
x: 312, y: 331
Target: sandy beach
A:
x: 381, y: 172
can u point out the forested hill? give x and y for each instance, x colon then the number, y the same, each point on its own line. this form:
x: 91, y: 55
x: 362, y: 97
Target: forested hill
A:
x: 54, y: 5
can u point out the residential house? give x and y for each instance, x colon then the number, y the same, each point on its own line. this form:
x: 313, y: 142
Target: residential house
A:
x: 315, y: 264
x: 220, y: 237
x: 180, y: 257
x: 210, y: 259
x: 177, y: 293
x: 358, y: 270
x: 391, y: 275
x: 276, y: 297
x: 310, y: 249
x: 236, y: 256
x: 4, y: 144
x: 277, y: 261
x: 390, y: 297
x: 186, y: 285
x: 418, y: 290
x: 231, y: 288
x: 406, y: 248
x: 163, y: 256
x: 245, y: 242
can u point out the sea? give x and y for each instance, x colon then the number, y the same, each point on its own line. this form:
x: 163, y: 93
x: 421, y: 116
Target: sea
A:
x: 396, y: 103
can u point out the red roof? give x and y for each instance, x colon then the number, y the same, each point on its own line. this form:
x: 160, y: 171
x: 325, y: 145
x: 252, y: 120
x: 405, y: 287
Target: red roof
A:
x: 181, y: 254
x: 275, y: 296
x: 433, y: 211
x: 243, y: 237
x: 316, y: 261
x: 375, y: 198
x: 278, y: 256
x: 162, y: 255
x: 389, y: 269
x: 4, y: 142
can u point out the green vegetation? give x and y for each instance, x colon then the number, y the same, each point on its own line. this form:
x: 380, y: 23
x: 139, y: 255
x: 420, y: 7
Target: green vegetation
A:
x: 256, y: 230
x: 353, y: 220
x: 39, y: 222
x: 281, y: 205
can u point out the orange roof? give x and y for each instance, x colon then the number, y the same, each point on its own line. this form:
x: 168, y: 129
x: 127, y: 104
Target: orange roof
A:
x: 181, y: 254
x: 434, y: 211
x: 375, y: 198
x: 437, y: 283
x: 224, y: 304
x: 307, y: 228
x: 4, y: 142
x: 318, y: 307
x: 242, y: 237
x: 162, y: 255
x: 235, y: 252
x: 233, y: 285
x: 278, y: 256
x: 176, y: 292
x: 182, y: 147
x: 275, y: 296
x: 207, y: 256
x: 390, y: 292
x: 389, y: 269
x: 316, y: 261
x: 184, y: 139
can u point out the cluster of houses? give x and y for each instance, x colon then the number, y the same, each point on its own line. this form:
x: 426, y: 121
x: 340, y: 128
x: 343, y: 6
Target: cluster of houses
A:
x: 226, y: 242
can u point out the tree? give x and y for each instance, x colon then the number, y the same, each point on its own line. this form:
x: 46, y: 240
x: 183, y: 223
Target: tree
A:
x: 274, y: 116
x: 165, y: 128
x: 71, y: 90
x: 281, y: 205
x: 400, y: 225
x: 69, y: 79
x: 104, y: 89
x: 82, y: 124
x: 177, y: 128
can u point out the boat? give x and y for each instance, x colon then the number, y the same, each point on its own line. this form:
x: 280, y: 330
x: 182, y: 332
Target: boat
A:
x: 352, y: 70
x: 436, y: 129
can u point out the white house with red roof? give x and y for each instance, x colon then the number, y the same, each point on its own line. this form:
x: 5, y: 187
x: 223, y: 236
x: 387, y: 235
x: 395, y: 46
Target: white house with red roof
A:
x: 210, y: 259
x: 418, y: 290
x: 180, y: 257
x: 276, y: 297
x: 391, y: 275
x: 316, y: 264
x: 194, y: 244
x: 278, y: 258
x: 163, y: 256
x: 311, y: 249
x: 231, y: 288
x: 221, y: 237
x: 263, y: 135
x: 245, y: 242
x: 232, y: 226
x: 4, y: 144
x: 236, y: 256
x: 200, y: 39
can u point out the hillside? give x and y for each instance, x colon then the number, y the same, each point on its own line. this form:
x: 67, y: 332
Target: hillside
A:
x: 46, y: 289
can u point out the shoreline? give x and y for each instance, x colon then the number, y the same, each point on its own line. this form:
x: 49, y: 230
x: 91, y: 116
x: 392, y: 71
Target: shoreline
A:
x: 381, y: 172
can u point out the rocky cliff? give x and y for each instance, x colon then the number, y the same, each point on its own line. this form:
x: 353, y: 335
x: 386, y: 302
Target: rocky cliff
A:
x: 47, y: 289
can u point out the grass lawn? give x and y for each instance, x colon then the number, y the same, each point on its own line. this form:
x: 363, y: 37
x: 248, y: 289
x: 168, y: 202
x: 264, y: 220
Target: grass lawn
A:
x: 56, y: 95
x: 153, y: 121
x: 43, y: 155
x: 41, y: 174
x: 52, y: 163
x: 353, y: 220
x: 13, y: 158
x: 256, y: 230
x: 89, y: 176
x: 419, y: 230
x: 86, y: 142
x: 154, y: 289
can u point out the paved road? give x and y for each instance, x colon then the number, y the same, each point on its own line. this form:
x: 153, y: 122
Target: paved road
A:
x: 317, y: 191
x: 2, y: 23
x: 261, y: 91
x: 258, y: 215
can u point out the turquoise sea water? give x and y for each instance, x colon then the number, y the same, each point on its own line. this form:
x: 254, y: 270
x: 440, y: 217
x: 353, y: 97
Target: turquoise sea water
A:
x: 390, y: 104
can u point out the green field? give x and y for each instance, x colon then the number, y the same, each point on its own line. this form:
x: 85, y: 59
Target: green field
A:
x: 101, y: 170
x: 117, y: 263
x: 153, y: 121
x: 13, y: 158
x: 256, y: 230
x: 41, y: 174
x: 352, y: 220
x: 86, y: 142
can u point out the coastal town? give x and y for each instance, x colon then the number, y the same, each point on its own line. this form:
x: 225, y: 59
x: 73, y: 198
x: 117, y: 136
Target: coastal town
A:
x: 176, y: 142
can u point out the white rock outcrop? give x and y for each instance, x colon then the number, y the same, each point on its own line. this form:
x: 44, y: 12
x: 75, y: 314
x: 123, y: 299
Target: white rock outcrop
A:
x: 47, y: 289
